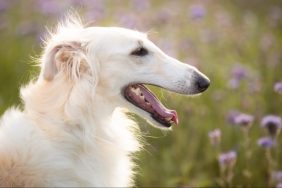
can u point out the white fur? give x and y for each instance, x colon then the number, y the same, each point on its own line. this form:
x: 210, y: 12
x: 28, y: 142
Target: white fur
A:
x: 73, y: 130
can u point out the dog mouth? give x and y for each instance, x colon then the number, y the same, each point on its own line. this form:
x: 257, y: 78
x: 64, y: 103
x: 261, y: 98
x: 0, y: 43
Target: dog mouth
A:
x: 140, y: 96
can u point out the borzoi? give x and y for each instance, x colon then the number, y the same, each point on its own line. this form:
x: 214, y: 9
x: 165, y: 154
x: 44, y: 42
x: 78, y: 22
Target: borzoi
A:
x: 72, y: 130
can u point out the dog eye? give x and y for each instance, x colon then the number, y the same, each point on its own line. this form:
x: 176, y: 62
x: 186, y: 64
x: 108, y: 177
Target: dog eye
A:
x: 140, y: 52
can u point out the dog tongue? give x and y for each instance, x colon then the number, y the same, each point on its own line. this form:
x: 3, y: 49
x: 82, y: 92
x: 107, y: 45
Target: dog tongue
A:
x: 158, y: 106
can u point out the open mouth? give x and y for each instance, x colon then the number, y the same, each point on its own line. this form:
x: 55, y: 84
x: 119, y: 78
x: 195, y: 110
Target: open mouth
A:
x: 143, y: 98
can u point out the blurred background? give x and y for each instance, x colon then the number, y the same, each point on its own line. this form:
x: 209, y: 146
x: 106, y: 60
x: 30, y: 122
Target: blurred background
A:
x: 228, y: 136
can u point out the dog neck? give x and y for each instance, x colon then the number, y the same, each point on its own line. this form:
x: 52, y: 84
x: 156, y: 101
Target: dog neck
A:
x: 91, y: 126
x: 61, y: 107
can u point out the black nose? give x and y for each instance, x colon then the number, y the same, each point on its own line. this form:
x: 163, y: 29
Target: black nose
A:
x: 202, y: 83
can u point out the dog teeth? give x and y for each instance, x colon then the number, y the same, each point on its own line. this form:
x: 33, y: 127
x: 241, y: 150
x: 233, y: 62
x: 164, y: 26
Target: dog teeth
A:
x: 168, y: 119
x: 136, y: 91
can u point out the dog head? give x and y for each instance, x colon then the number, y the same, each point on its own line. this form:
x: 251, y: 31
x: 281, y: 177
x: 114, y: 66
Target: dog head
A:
x: 118, y: 63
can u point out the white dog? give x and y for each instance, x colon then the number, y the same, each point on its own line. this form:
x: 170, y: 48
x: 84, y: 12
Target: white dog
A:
x: 72, y: 131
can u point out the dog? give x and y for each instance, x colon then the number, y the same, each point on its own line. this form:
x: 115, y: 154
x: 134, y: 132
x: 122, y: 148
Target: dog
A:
x: 73, y: 129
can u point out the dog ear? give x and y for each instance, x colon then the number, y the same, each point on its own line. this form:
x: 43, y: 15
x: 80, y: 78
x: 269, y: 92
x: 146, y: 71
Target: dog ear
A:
x: 67, y: 58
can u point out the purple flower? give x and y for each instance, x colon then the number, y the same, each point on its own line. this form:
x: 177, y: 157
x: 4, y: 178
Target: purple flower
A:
x: 227, y: 159
x: 234, y: 83
x: 197, y: 11
x: 164, y: 16
x: 279, y: 185
x: 141, y: 4
x: 277, y: 176
x: 50, y: 7
x: 238, y: 72
x: 278, y: 87
x: 4, y: 5
x: 244, y: 120
x: 265, y: 142
x: 128, y: 20
x: 95, y: 10
x: 231, y: 116
x: 76, y: 2
x: 272, y: 123
x: 215, y: 136
x: 238, y: 118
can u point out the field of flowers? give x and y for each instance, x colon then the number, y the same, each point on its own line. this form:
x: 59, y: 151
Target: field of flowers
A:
x: 229, y: 136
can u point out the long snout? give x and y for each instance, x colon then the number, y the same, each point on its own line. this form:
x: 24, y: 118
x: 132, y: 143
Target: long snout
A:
x: 181, y: 78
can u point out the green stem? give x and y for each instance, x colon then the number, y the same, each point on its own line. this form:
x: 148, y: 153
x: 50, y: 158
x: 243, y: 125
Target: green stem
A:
x: 230, y: 176
x: 248, y: 155
x: 270, y: 166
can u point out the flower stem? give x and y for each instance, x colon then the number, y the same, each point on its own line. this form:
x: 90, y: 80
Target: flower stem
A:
x: 248, y: 154
x: 270, y: 166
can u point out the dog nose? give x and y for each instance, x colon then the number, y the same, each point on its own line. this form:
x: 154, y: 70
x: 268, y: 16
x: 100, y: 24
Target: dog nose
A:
x: 202, y: 83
